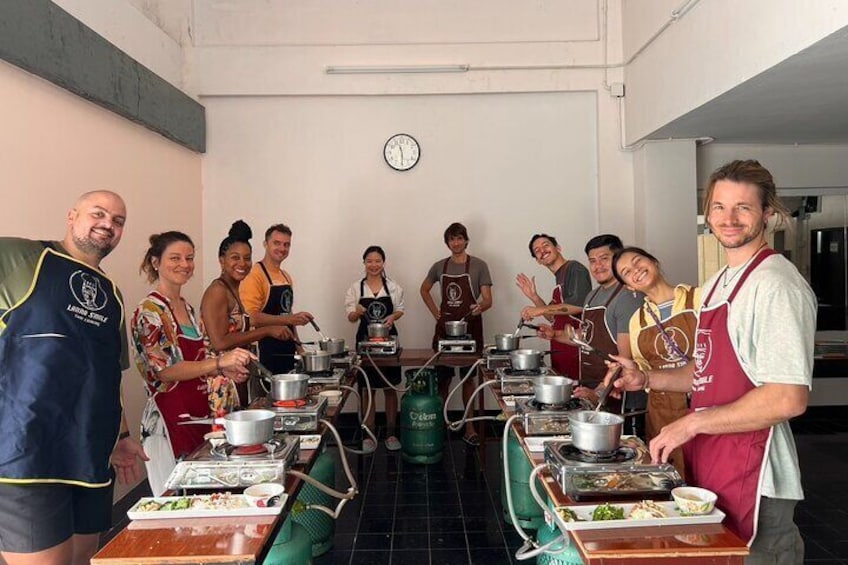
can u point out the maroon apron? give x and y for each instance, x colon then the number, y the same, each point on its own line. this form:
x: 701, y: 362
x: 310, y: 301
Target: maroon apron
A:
x: 565, y: 359
x: 720, y: 379
x: 457, y: 301
x: 186, y: 397
x: 653, y: 346
x: 592, y: 368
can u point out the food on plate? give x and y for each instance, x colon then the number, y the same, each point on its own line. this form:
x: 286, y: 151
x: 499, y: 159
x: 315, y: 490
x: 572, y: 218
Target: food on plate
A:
x: 216, y: 501
x: 607, y: 511
x: 647, y: 510
x: 568, y: 515
x: 694, y: 500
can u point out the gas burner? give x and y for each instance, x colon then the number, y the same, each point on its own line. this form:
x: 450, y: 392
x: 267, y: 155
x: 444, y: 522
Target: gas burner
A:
x: 465, y: 337
x: 320, y: 374
x: 297, y: 403
x: 621, y: 455
x: 510, y: 372
x: 380, y: 339
x: 496, y: 351
x: 341, y: 355
x: 571, y: 404
x: 268, y: 450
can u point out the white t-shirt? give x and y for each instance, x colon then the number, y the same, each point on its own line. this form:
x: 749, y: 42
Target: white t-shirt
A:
x: 353, y: 295
x: 772, y: 325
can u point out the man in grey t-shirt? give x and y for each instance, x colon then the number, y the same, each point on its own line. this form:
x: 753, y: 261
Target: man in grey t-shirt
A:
x: 466, y: 289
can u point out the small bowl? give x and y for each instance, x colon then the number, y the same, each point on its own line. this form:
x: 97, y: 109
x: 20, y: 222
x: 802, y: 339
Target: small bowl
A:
x: 333, y: 396
x: 694, y: 500
x: 260, y: 494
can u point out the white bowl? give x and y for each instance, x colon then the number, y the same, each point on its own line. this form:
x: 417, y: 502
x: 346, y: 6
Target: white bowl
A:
x: 259, y: 494
x: 694, y: 500
x: 333, y: 396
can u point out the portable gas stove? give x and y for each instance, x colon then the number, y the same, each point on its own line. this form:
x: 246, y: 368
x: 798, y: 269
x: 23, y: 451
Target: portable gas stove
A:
x: 379, y: 347
x: 626, y: 473
x: 301, y: 415
x: 328, y: 379
x: 458, y: 344
x: 496, y: 358
x: 222, y: 466
x: 548, y: 419
x: 343, y: 360
x: 519, y: 382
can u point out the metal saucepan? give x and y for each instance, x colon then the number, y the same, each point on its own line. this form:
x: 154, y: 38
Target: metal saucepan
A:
x: 378, y: 330
x: 332, y: 345
x: 526, y: 359
x: 246, y: 427
x: 552, y: 389
x: 289, y: 386
x: 596, y: 432
x: 456, y: 328
x: 506, y: 342
x: 316, y: 361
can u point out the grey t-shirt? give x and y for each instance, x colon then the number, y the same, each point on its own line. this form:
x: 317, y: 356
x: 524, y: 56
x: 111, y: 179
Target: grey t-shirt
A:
x: 478, y: 270
x: 620, y: 310
x: 574, y: 279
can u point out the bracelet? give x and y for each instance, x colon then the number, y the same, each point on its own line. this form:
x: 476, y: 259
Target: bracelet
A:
x: 647, y: 387
x: 123, y: 435
x: 218, y: 364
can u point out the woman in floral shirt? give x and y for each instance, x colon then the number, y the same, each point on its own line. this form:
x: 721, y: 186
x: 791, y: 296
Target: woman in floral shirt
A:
x: 171, y: 353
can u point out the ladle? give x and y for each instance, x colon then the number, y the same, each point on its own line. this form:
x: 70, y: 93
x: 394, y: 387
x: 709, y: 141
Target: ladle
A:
x: 317, y: 329
x: 590, y: 349
x: 264, y: 371
x: 518, y: 327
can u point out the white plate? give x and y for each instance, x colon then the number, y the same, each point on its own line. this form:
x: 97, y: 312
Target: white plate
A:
x: 509, y: 400
x: 674, y: 518
x: 537, y: 443
x: 310, y: 441
x: 134, y: 514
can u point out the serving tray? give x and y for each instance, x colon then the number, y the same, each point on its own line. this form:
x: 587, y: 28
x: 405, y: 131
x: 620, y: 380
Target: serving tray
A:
x: 674, y: 518
x: 240, y: 507
x: 610, y: 482
x: 224, y: 474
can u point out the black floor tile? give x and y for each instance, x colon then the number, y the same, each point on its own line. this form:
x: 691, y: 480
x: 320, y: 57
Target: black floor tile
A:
x: 372, y: 542
x: 333, y: 558
x: 446, y: 524
x: 410, y: 524
x: 448, y: 540
x: 449, y: 557
x: 413, y: 557
x: 370, y: 558
x: 485, y: 539
x: 410, y: 540
x: 376, y: 525
x: 489, y: 555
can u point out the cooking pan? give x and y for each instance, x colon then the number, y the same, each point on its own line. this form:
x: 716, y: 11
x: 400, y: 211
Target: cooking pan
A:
x: 332, y: 345
x: 595, y: 432
x: 289, y: 386
x: 506, y: 342
x: 456, y: 328
x: 316, y: 361
x: 552, y: 389
x: 378, y: 330
x: 246, y: 427
x: 526, y: 359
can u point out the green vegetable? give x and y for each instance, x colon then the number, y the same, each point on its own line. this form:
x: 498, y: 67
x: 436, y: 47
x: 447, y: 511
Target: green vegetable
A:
x: 181, y: 504
x: 607, y: 511
x: 568, y: 515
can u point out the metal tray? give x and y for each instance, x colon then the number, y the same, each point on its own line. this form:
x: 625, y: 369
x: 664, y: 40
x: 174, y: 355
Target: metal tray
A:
x: 225, y: 474
x: 622, y: 482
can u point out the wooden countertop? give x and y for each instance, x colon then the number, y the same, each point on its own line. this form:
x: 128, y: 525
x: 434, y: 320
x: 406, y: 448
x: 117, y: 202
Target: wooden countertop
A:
x: 233, y: 539
x: 418, y: 357
x: 677, y: 545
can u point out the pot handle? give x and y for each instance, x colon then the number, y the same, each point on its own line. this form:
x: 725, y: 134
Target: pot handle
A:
x: 206, y: 421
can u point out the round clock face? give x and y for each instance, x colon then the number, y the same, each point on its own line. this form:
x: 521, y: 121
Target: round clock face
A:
x: 401, y: 152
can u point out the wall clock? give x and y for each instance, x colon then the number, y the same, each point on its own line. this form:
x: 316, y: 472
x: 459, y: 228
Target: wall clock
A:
x: 401, y: 152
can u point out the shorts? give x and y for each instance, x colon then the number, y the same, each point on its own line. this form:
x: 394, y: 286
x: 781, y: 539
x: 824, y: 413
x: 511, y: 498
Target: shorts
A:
x: 392, y: 374
x: 35, y: 517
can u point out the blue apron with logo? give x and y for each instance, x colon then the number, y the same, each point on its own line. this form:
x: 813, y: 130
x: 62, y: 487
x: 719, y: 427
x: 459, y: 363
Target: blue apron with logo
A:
x: 60, y: 376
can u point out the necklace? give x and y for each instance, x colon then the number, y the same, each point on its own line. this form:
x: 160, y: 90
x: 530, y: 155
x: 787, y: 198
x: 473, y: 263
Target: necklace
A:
x: 726, y: 281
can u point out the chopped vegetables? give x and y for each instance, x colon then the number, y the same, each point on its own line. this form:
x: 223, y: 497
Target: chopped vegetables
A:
x: 567, y: 515
x: 647, y: 510
x: 607, y: 511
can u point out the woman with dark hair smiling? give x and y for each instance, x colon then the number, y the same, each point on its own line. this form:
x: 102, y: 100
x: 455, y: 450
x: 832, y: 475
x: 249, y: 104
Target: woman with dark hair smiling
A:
x: 377, y: 298
x: 227, y: 323
x: 662, y: 332
x: 181, y: 375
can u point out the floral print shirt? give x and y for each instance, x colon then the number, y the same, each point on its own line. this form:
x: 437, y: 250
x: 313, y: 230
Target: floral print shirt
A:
x: 155, y: 334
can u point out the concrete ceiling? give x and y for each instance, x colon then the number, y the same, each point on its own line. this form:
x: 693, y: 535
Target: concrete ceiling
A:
x: 802, y: 100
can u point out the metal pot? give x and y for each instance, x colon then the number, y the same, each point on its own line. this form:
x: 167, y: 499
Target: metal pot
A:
x: 289, y: 386
x: 248, y: 427
x: 456, y: 329
x: 378, y: 330
x: 332, y: 345
x: 316, y: 361
x: 506, y: 342
x: 526, y: 359
x: 596, y: 432
x: 552, y: 389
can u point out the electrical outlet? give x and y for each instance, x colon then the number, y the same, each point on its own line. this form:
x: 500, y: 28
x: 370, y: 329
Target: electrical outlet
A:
x: 617, y: 89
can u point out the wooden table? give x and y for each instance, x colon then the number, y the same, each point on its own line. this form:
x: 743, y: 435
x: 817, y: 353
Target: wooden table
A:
x: 418, y: 357
x: 233, y: 539
x: 668, y: 545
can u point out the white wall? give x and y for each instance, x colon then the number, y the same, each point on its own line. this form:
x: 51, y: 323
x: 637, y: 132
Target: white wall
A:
x: 716, y: 46
x: 507, y: 166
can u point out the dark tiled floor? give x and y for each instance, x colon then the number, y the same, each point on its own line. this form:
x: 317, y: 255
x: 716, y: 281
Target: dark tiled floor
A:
x: 450, y: 512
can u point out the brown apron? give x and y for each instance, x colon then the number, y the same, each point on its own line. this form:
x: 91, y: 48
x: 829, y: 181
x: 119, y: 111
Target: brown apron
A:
x: 457, y: 300
x: 654, y: 345
x: 598, y: 335
x: 565, y: 359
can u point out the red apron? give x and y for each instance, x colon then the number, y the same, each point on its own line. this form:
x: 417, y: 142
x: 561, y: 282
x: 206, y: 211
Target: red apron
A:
x: 457, y: 300
x: 592, y: 367
x: 720, y: 379
x: 565, y: 359
x: 186, y: 397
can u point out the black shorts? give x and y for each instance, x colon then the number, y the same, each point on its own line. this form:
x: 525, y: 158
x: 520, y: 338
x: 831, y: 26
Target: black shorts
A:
x: 35, y: 517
